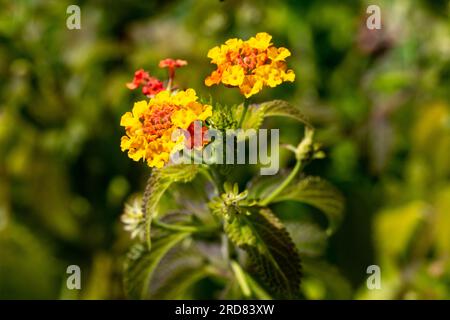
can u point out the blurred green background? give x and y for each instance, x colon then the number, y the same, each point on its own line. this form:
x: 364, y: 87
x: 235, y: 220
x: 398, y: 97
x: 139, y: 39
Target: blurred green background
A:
x: 379, y: 99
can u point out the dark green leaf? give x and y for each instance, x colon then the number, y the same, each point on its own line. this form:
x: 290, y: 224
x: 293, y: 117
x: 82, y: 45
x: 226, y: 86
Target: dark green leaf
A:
x: 141, y: 263
x: 178, y: 271
x: 180, y: 281
x: 270, y: 249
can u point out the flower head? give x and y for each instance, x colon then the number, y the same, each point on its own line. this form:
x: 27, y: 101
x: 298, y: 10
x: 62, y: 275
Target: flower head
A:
x: 150, y: 126
x: 249, y: 65
x: 150, y: 85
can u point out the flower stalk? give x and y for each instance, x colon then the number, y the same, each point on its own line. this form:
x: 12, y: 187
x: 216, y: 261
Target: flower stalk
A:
x: 283, y: 185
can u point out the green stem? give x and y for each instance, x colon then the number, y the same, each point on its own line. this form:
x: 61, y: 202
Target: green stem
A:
x: 240, y: 277
x: 259, y: 292
x: 282, y: 186
x: 244, y: 113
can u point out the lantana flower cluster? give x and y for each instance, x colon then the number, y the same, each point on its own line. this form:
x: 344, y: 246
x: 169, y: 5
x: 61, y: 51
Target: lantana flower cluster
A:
x: 250, y: 65
x: 151, y: 125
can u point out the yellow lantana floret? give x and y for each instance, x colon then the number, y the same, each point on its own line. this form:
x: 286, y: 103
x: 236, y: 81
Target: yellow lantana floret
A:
x: 150, y: 125
x: 249, y: 65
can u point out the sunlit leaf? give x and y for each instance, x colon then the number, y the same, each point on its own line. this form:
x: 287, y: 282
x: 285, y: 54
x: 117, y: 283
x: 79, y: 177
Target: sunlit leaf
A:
x: 283, y: 108
x: 256, y: 113
x: 443, y: 221
x: 395, y: 227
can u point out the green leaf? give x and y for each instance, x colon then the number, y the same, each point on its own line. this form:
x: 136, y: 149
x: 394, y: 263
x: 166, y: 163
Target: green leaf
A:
x: 225, y: 117
x: 442, y: 231
x: 161, y: 179
x: 335, y: 285
x: 157, y: 184
x: 318, y: 193
x: 256, y: 113
x: 270, y: 248
x: 284, y: 109
x: 28, y: 265
x: 395, y: 227
x: 259, y: 187
x: 177, y: 272
x: 253, y: 118
x: 310, y: 239
x: 141, y: 263
x: 180, y: 282
x: 257, y: 290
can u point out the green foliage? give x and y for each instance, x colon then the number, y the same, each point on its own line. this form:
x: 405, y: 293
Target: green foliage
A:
x: 324, y: 281
x: 411, y: 229
x: 161, y: 179
x: 260, y: 187
x: 442, y: 233
x: 21, y: 254
x: 281, y: 108
x: 401, y: 224
x: 317, y: 193
x: 225, y: 117
x: 141, y: 263
x: 157, y: 184
x: 270, y: 248
x: 177, y: 272
x: 309, y: 238
x: 228, y: 117
x: 256, y: 113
